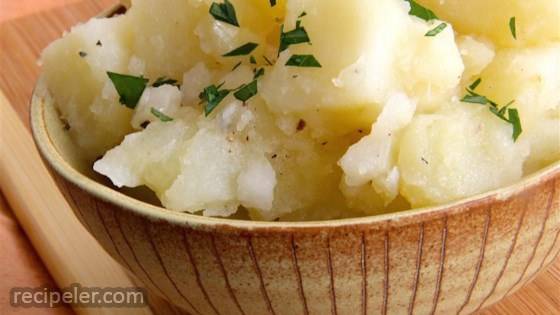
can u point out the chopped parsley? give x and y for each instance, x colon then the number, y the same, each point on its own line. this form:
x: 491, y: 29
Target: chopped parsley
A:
x: 224, y: 12
x: 302, y: 14
x: 252, y: 60
x: 505, y: 113
x: 268, y: 62
x: 242, y: 50
x: 246, y: 91
x: 513, y: 27
x: 475, y: 84
x: 161, y: 116
x: 212, y: 96
x: 303, y: 61
x: 163, y: 81
x: 82, y: 54
x: 258, y: 73
x: 293, y: 37
x: 130, y: 88
x: 420, y: 11
x: 272, y: 3
x: 99, y: 43
x: 436, y: 30
x: 236, y: 66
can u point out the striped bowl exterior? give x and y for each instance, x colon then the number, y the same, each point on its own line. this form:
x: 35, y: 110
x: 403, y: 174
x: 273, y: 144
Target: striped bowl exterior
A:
x: 454, y: 261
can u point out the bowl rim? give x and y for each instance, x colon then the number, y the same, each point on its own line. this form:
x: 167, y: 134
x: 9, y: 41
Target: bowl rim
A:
x: 55, y: 160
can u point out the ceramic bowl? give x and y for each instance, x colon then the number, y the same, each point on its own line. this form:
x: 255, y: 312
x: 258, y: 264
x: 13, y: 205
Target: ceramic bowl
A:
x: 451, y: 259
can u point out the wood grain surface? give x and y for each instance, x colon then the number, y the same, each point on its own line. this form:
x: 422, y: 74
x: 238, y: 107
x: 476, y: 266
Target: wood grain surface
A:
x: 26, y: 27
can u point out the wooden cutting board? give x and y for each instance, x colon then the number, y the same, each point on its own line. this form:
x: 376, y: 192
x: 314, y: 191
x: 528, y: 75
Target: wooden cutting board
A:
x: 70, y: 254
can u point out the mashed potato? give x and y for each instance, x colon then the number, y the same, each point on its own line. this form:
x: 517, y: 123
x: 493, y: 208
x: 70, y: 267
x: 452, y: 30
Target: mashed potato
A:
x: 312, y: 109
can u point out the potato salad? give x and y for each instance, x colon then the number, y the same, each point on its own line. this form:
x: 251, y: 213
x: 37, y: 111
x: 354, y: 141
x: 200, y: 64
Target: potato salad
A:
x: 301, y: 110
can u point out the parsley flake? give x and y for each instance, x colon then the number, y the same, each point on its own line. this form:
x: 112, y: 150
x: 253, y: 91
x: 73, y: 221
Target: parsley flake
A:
x: 161, y: 116
x: 242, y: 50
x: 420, y: 11
x: 258, y: 73
x: 513, y: 27
x: 163, y: 81
x: 272, y: 3
x: 475, y: 84
x: 293, y: 37
x: 303, y: 61
x: 252, y: 60
x: 212, y: 96
x: 224, y: 12
x: 436, y: 30
x: 512, y: 116
x: 130, y: 88
x: 246, y: 91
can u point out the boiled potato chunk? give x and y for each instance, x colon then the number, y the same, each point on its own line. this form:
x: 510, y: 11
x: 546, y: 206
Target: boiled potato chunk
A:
x: 75, y: 68
x: 373, y: 158
x: 144, y: 159
x: 368, y: 50
x: 459, y: 151
x: 162, y: 35
x: 537, y: 21
x: 531, y: 78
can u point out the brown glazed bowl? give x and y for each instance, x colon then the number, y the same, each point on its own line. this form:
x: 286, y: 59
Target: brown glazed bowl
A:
x: 451, y: 259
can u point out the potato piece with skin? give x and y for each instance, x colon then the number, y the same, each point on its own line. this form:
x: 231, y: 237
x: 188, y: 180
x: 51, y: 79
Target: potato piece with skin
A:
x: 75, y: 69
x: 537, y: 21
x: 373, y: 158
x: 381, y: 47
x: 458, y: 152
x: 531, y: 78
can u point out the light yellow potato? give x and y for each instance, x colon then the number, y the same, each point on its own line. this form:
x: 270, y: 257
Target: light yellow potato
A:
x: 373, y: 158
x: 377, y: 128
x: 378, y: 50
x: 79, y: 84
x: 537, y: 21
x: 162, y: 35
x: 458, y: 152
x: 476, y: 54
x: 531, y: 78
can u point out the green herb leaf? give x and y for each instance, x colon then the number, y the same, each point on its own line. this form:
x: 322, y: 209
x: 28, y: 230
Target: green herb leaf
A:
x: 475, y: 99
x: 422, y: 12
x: 161, y: 116
x: 212, y: 96
x: 513, y: 27
x: 130, y: 88
x: 302, y: 14
x: 436, y: 30
x: 295, y: 36
x: 242, y: 50
x: 515, y: 121
x: 475, y: 84
x: 272, y: 3
x: 303, y: 61
x: 268, y: 62
x: 236, y: 66
x: 246, y: 91
x: 258, y: 73
x: 224, y: 12
x: 163, y: 81
x: 252, y: 60
x: 512, y: 113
